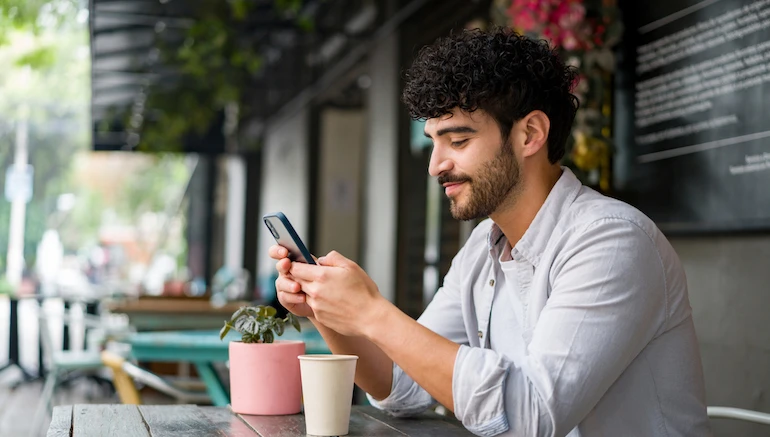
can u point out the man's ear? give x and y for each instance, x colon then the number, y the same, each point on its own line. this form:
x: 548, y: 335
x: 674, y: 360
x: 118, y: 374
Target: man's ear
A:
x: 536, y: 127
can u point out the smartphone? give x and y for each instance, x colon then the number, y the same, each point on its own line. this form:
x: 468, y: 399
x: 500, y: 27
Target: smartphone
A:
x: 286, y: 236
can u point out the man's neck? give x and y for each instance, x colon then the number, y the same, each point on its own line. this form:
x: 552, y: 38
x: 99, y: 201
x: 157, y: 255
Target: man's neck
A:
x: 514, y: 220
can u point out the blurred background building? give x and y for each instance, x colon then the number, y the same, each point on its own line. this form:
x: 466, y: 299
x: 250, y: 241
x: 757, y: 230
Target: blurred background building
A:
x: 143, y: 140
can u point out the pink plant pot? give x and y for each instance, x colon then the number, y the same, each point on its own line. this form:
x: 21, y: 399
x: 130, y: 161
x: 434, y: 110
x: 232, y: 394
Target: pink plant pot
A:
x: 265, y: 378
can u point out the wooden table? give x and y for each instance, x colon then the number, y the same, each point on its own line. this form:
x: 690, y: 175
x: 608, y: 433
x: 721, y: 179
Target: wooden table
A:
x: 194, y: 421
x: 164, y: 314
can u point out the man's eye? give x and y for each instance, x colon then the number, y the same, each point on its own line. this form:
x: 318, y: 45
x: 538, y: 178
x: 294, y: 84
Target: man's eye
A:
x: 459, y: 143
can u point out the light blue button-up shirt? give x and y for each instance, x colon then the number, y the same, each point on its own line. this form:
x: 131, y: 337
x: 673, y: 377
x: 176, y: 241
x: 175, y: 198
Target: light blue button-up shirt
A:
x: 582, y: 328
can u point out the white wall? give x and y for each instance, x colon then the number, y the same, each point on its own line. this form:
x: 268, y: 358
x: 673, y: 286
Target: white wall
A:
x: 729, y: 284
x: 343, y: 139
x: 236, y: 211
x: 381, y: 176
x: 284, y: 184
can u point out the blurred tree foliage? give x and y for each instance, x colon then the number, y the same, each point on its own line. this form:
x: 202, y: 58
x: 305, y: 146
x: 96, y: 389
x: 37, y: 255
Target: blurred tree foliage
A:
x: 44, y: 48
x: 38, y: 17
x: 216, y: 64
x: 44, y: 51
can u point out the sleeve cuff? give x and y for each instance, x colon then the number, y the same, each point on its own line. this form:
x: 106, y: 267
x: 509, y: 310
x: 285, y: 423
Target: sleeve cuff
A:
x: 491, y: 428
x: 406, y: 398
x: 478, y: 388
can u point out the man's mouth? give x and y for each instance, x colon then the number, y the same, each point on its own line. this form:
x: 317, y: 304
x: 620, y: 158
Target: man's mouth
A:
x: 452, y: 188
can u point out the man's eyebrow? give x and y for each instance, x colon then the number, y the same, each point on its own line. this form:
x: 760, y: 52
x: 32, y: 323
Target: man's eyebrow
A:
x: 453, y: 130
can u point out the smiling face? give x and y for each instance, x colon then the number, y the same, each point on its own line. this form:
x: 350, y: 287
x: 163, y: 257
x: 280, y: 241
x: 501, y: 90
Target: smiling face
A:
x: 479, y: 171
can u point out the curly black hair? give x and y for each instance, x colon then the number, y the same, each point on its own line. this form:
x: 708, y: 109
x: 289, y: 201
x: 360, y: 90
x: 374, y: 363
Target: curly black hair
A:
x: 500, y: 72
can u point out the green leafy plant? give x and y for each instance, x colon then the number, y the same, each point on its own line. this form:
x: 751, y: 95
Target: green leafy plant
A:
x: 257, y: 324
x: 215, y: 66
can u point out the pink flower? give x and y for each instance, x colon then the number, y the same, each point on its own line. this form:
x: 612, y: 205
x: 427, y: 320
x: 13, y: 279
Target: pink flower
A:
x: 563, y: 22
x: 569, y: 41
x: 525, y: 22
x: 529, y: 15
x: 549, y: 34
x: 568, y: 14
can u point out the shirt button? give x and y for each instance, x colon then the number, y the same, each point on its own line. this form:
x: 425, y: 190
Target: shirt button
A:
x: 481, y: 334
x: 492, y: 282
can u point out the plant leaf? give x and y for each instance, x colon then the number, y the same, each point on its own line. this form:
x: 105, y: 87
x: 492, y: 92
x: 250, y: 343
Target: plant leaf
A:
x: 238, y: 314
x: 294, y: 320
x: 225, y: 329
x: 257, y: 323
x: 261, y: 313
x: 253, y: 312
x: 246, y: 324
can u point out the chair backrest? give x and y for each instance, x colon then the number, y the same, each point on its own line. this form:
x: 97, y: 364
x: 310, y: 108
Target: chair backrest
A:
x: 45, y: 316
x: 46, y: 340
x: 739, y: 414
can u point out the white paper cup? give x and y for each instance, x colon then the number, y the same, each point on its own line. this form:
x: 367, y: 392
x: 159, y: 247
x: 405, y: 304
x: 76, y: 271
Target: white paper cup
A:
x: 327, y: 391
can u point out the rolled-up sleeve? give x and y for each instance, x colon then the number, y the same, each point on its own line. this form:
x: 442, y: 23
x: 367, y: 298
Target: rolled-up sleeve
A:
x: 478, y: 386
x: 442, y: 316
x: 608, y: 300
x: 406, y: 398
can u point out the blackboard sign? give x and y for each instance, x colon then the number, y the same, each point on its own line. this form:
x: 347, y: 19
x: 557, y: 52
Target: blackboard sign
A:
x: 695, y: 154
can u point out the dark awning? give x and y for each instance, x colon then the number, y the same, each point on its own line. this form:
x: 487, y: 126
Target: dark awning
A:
x: 128, y: 39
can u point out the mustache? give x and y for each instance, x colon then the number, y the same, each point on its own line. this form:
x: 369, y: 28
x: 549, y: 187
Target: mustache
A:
x: 452, y: 178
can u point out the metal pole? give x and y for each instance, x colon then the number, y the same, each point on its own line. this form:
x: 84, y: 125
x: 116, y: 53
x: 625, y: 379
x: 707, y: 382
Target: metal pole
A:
x: 15, y: 258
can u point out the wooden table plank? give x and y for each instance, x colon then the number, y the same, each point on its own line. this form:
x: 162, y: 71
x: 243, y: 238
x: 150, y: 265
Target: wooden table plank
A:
x: 61, y: 422
x: 364, y: 425
x: 427, y: 423
x: 294, y: 426
x: 107, y: 420
x: 176, y: 420
x: 276, y: 426
x: 227, y: 422
x: 191, y: 420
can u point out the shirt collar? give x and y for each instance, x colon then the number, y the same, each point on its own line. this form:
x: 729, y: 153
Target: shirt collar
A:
x: 535, y: 239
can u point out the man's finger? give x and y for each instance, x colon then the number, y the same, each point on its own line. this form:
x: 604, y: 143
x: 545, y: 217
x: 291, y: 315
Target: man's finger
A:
x: 305, y: 272
x: 278, y: 252
x: 302, y: 283
x: 283, y: 266
x: 285, y: 284
x: 291, y: 298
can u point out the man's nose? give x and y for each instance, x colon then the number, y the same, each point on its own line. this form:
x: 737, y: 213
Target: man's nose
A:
x: 439, y: 163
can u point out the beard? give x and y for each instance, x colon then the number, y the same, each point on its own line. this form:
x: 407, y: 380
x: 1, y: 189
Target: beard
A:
x: 490, y: 187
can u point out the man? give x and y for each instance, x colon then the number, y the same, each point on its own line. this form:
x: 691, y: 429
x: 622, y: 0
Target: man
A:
x: 566, y: 313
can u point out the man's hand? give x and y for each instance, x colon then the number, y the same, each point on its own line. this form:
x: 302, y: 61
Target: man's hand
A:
x: 374, y: 371
x: 289, y: 291
x: 339, y: 293
x: 347, y: 308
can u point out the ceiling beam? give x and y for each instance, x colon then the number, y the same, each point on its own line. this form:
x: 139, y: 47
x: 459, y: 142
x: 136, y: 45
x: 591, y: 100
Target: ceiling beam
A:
x: 146, y: 19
